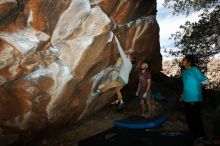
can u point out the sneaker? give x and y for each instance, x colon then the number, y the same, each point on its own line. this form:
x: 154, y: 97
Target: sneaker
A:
x: 120, y: 107
x: 117, y: 103
x: 98, y: 91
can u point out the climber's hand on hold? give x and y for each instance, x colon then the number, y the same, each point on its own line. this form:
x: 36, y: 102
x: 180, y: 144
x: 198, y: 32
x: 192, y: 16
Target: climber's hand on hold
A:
x: 116, y: 40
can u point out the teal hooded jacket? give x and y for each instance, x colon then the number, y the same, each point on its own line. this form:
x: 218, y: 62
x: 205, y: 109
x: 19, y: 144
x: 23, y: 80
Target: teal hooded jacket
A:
x: 193, y: 79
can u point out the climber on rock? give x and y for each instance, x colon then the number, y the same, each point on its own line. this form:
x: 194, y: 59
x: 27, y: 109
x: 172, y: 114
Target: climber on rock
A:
x: 122, y: 72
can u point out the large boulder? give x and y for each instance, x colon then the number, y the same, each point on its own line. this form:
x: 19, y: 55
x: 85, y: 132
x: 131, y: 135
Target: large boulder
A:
x: 54, y: 54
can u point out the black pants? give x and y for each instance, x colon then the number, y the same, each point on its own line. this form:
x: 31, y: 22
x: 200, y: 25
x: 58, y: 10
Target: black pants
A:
x: 192, y: 112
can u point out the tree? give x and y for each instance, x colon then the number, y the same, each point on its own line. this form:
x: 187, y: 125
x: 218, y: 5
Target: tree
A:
x: 202, y: 38
x: 186, y: 6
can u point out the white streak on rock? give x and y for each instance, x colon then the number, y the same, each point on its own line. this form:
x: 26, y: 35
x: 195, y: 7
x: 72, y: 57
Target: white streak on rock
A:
x: 70, y: 21
x: 6, y: 56
x: 140, y: 29
x: 7, y: 1
x: 26, y: 40
x: 70, y: 51
x: 95, y: 2
x: 110, y: 37
x: 103, y: 75
x: 61, y: 75
x: 30, y: 18
x: 120, y: 4
x: 20, y: 121
x: 96, y: 23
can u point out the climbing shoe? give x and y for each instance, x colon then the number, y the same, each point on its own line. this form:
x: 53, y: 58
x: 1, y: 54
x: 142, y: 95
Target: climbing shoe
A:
x: 120, y: 107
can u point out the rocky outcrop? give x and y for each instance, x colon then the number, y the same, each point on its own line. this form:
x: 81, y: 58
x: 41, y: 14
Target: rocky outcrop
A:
x: 54, y: 54
x: 214, y: 73
x: 170, y: 68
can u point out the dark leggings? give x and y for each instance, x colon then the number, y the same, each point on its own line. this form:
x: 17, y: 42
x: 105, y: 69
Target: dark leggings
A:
x: 193, y: 118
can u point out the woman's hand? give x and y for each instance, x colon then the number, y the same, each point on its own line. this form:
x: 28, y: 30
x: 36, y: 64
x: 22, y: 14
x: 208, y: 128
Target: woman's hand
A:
x: 137, y: 93
x: 145, y: 94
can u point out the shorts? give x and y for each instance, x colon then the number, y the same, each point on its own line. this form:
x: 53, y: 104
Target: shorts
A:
x: 120, y: 80
x: 149, y: 95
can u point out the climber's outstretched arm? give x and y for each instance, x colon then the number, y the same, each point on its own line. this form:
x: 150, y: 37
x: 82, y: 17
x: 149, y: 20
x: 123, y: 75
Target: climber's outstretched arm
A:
x: 121, y: 52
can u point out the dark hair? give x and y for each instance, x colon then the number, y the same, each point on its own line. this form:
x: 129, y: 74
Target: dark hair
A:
x: 148, y: 64
x: 143, y: 62
x: 191, y: 59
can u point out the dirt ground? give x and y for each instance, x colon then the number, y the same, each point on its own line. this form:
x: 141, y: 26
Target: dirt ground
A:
x: 102, y: 121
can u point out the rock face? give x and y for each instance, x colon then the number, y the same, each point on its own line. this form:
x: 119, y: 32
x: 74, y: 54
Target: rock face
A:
x: 54, y: 54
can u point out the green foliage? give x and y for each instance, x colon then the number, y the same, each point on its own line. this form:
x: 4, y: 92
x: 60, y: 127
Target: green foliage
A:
x: 187, y: 6
x: 201, y: 38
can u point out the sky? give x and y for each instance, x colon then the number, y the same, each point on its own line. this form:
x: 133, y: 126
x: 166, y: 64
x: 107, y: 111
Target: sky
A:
x: 169, y: 24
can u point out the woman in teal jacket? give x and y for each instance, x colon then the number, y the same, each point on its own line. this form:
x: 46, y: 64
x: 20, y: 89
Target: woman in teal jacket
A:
x: 193, y: 79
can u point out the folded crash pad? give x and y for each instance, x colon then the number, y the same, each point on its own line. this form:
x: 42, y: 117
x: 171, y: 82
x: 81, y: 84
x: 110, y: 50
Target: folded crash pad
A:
x: 138, y: 122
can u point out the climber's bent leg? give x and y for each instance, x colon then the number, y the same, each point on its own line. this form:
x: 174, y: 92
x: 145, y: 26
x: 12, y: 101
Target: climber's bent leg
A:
x: 110, y: 85
x: 118, y: 92
x: 120, y: 102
